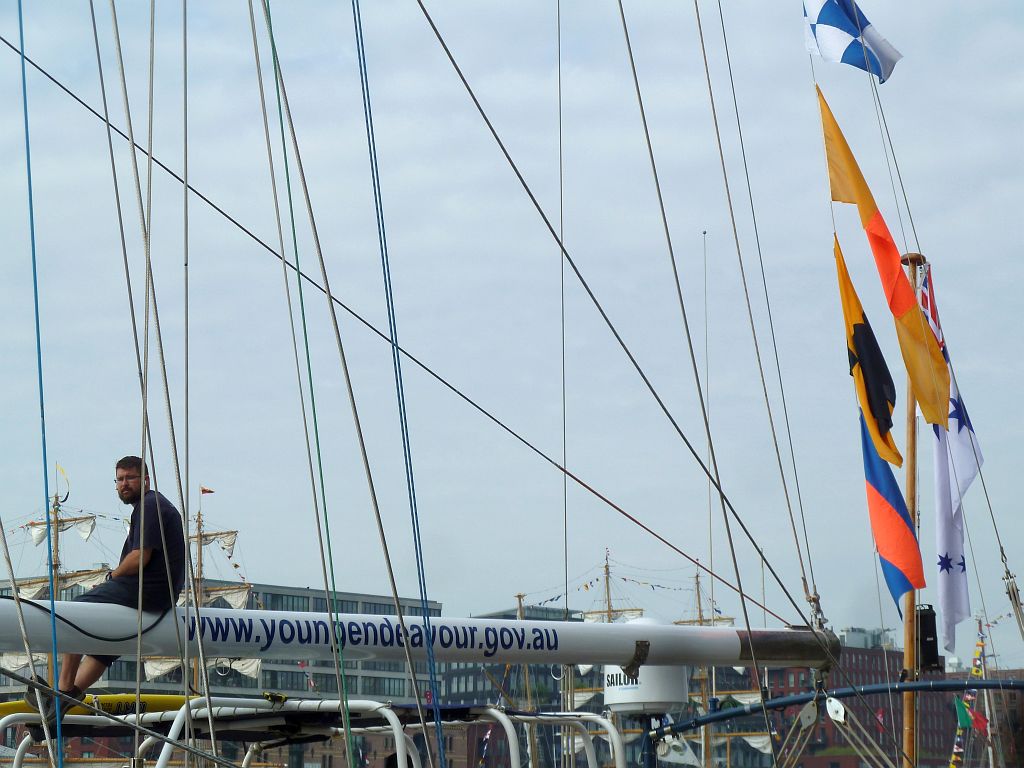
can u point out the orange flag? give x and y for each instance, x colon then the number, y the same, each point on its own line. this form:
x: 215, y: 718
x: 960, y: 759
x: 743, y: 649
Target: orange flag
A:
x: 926, y: 367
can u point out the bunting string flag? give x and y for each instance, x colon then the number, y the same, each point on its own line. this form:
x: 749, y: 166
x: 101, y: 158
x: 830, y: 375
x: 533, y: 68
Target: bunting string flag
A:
x: 838, y: 31
x: 929, y: 375
x: 966, y: 716
x: 958, y: 460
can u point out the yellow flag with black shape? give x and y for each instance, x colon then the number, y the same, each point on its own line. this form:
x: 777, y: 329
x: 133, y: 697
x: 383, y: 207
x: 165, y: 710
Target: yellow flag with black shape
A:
x: 876, y: 392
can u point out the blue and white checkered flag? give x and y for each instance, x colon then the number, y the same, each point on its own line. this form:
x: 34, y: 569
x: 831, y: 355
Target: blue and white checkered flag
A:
x: 837, y: 30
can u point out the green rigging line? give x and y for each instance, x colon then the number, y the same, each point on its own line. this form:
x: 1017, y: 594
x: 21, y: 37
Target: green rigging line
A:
x: 332, y: 603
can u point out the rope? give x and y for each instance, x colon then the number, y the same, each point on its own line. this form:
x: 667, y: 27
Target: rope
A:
x: 42, y: 403
x: 342, y: 357
x: 423, y: 366
x: 147, y: 293
x: 568, y: 686
x: 337, y: 653
x: 118, y: 720
x: 145, y: 213
x: 182, y: 649
x: 885, y: 661
x: 768, y: 307
x: 598, y: 306
x: 1007, y: 576
x: 399, y: 384
x: 186, y: 486
x: 749, y: 306
x: 764, y: 386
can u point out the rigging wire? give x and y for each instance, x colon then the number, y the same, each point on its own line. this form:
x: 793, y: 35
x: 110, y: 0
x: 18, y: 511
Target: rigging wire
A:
x: 42, y: 402
x: 1008, y: 577
x: 396, y: 359
x: 186, y: 485
x: 148, y: 254
x: 885, y: 660
x: 127, y: 273
x: 330, y: 589
x: 333, y: 300
x: 357, y: 424
x: 429, y: 371
x: 145, y: 212
x: 568, y: 686
x: 561, y: 300
x: 598, y: 306
x: 764, y: 386
x: 118, y: 720
x: 768, y: 308
x: 749, y: 306
x: 897, y: 746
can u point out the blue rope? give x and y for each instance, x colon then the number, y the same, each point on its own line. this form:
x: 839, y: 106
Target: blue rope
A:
x: 399, y: 384
x: 39, y: 371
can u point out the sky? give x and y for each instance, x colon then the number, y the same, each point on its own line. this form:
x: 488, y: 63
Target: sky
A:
x: 478, y: 287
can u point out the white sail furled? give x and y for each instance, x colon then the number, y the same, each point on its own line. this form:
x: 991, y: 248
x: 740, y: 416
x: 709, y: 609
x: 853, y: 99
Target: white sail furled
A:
x: 34, y: 589
x: 579, y: 699
x: 226, y: 540
x: 761, y: 743
x: 157, y: 667
x: 85, y: 526
x: 18, y: 662
x: 235, y: 596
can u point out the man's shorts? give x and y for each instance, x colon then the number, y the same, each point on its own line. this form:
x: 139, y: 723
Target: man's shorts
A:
x: 117, y: 592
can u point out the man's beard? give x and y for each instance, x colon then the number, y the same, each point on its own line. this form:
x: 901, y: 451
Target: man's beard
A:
x: 129, y: 495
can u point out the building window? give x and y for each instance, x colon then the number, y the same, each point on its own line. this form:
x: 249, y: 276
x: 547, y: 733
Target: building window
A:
x: 384, y: 686
x: 278, y: 602
x: 379, y: 609
x: 121, y: 670
x: 340, y: 606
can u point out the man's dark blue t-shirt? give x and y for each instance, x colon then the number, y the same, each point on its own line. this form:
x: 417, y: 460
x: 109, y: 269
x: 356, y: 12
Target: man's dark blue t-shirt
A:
x: 154, y: 575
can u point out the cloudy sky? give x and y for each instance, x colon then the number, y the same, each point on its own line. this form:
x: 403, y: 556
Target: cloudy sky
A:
x: 476, y: 280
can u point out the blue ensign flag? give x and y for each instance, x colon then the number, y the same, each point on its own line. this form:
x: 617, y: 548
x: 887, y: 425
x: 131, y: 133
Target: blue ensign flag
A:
x: 838, y: 31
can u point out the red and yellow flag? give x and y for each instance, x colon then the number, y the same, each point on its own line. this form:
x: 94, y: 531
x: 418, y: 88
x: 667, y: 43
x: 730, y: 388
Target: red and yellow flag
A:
x: 929, y: 375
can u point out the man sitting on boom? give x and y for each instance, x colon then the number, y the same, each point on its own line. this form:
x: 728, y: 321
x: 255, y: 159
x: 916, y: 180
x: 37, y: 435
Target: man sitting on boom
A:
x: 154, y: 550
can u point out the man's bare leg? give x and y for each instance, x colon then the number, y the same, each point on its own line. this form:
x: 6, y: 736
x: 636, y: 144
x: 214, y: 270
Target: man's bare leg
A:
x: 89, y: 672
x: 69, y: 663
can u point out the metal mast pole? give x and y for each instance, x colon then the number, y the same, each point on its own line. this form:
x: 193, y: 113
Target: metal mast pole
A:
x: 913, y: 261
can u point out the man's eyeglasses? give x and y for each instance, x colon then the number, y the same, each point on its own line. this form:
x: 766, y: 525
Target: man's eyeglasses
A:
x: 125, y: 479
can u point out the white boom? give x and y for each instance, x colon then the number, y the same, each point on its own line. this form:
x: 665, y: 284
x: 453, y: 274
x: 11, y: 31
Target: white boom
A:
x: 94, y: 628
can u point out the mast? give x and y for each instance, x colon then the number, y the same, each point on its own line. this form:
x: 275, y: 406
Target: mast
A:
x: 531, y: 732
x: 913, y: 261
x: 607, y: 589
x: 54, y: 513
x: 198, y: 591
x: 705, y: 751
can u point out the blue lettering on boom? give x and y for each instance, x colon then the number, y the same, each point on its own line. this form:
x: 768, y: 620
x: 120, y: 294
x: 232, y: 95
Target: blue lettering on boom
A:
x: 371, y: 634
